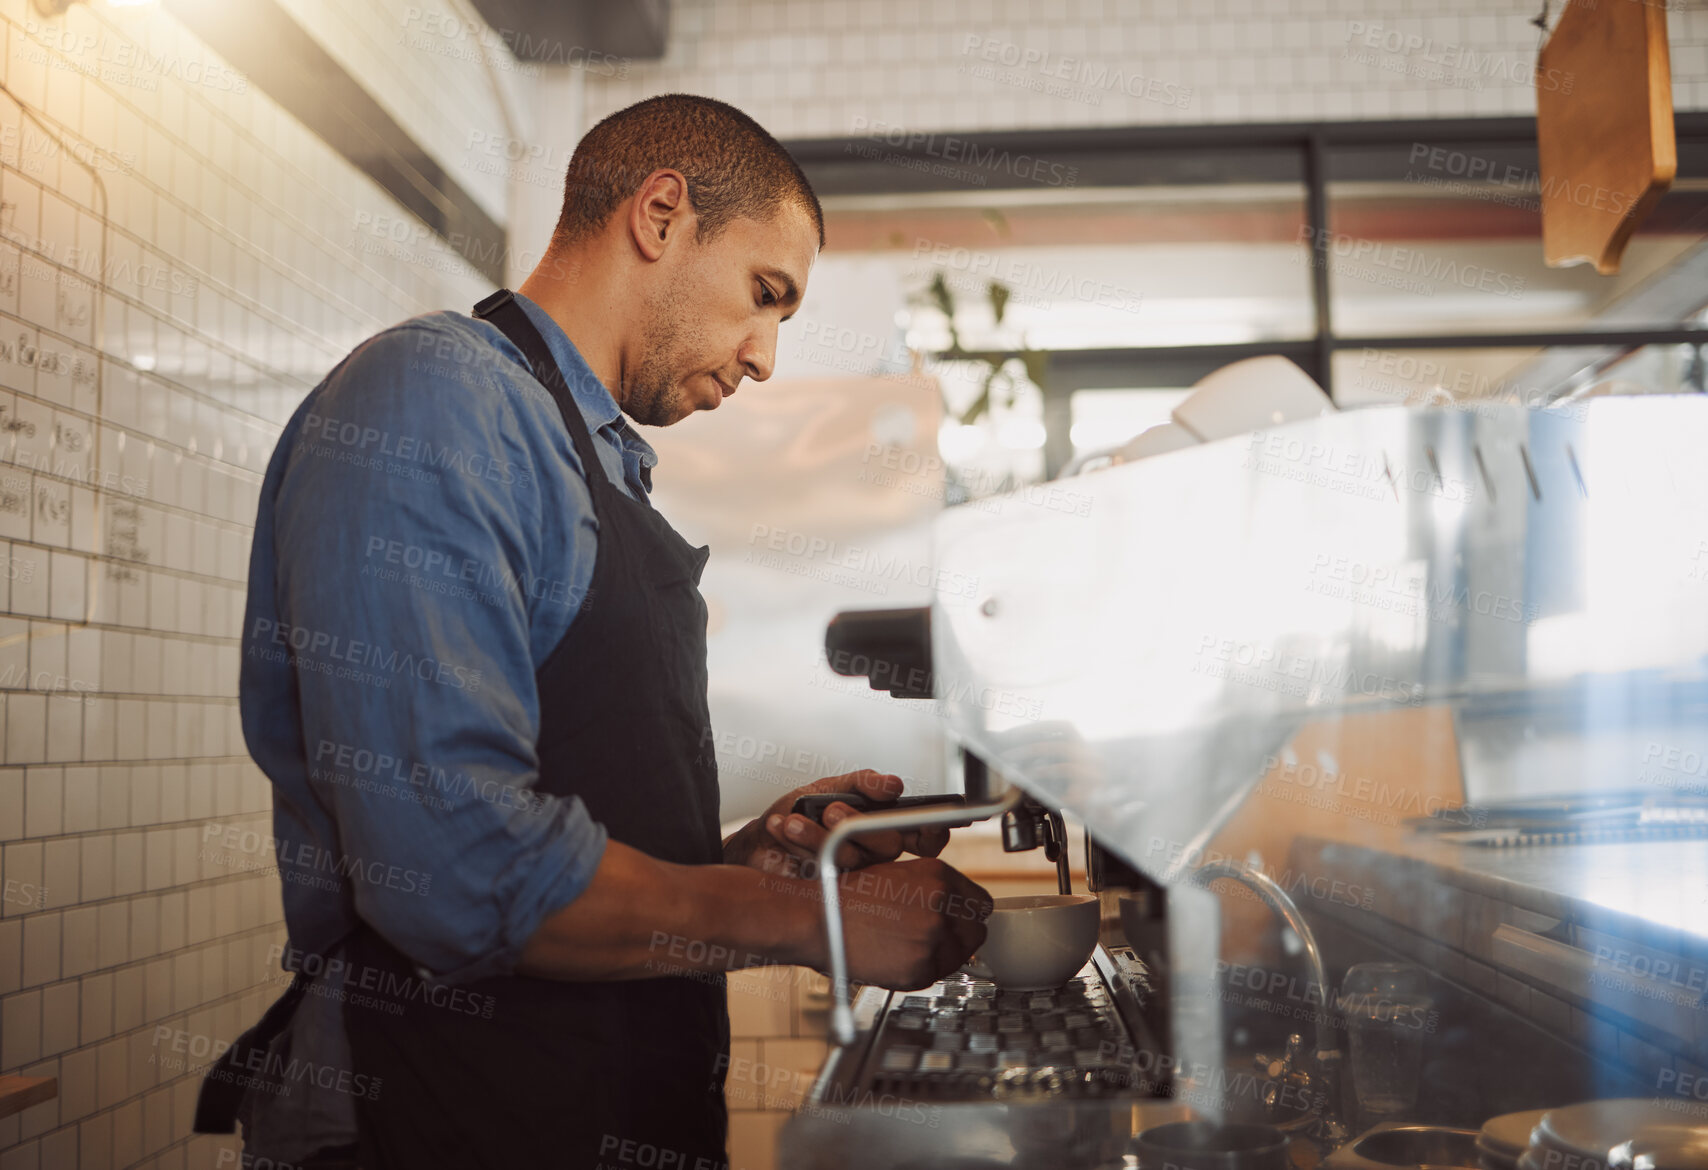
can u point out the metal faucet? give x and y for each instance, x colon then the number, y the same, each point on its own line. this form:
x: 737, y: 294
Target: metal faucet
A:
x: 1316, y: 1074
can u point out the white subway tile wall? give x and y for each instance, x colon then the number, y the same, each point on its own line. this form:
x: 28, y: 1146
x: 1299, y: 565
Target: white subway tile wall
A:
x: 834, y: 68
x: 180, y: 261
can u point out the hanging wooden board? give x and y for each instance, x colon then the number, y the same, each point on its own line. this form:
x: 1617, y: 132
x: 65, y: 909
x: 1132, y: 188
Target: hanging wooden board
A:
x: 19, y: 1093
x: 1604, y: 132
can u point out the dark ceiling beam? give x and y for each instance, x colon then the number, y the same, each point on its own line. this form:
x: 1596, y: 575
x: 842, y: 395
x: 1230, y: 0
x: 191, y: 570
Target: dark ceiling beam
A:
x: 879, y: 158
x: 594, y: 34
x: 1174, y: 366
x: 1163, y: 366
x: 264, y: 42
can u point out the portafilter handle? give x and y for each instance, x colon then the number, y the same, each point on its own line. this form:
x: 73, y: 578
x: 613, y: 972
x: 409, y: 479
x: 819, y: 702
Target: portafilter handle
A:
x: 921, y: 817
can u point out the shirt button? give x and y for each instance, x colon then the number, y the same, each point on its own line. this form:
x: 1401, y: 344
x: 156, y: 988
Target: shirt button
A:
x: 423, y: 972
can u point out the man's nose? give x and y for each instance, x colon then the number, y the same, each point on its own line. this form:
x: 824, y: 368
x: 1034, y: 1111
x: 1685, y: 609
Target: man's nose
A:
x: 759, y: 356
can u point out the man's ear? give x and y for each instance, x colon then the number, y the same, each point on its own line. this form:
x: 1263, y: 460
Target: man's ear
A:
x: 659, y: 212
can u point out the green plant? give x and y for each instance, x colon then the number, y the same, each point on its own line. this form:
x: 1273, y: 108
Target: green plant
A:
x: 1006, y: 368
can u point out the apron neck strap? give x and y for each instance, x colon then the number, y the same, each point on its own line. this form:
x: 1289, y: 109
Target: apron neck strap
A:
x: 502, y: 310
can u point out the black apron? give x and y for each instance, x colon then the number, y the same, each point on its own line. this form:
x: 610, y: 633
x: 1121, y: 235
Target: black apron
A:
x: 576, y: 1075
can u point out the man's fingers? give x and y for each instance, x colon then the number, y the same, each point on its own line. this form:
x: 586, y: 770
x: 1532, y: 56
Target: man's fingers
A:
x: 881, y: 846
x: 925, y: 842
x: 957, y: 946
x: 976, y: 897
x: 804, y: 838
x: 794, y: 835
x: 802, y: 835
x: 877, y: 785
x: 966, y: 934
x: 971, y: 936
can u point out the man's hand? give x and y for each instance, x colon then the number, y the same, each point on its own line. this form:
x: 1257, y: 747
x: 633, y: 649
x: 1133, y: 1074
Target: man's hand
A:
x: 779, y: 842
x: 909, y: 923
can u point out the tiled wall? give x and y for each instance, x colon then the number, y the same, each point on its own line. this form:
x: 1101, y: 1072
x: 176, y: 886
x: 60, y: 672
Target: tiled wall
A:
x: 778, y: 1021
x: 179, y: 262
x: 842, y: 67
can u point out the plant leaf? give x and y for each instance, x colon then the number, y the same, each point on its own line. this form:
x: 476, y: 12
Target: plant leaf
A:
x: 945, y: 302
x: 982, y: 402
x: 1037, y: 363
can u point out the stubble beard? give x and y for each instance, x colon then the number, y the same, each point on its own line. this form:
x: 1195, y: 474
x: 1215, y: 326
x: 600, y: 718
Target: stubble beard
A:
x: 654, y: 397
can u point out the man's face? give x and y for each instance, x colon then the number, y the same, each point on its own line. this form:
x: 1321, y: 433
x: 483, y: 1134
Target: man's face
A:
x: 713, y: 315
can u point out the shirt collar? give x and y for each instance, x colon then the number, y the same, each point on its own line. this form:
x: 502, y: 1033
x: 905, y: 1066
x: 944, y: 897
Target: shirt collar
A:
x: 594, y: 400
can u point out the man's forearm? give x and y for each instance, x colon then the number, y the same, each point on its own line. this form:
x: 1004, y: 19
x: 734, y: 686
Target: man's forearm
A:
x: 640, y: 918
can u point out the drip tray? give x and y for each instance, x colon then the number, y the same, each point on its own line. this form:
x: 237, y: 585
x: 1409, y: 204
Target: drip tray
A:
x: 966, y: 1039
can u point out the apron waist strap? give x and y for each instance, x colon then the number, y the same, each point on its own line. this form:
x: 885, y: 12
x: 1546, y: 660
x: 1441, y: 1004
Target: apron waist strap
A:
x: 224, y: 1084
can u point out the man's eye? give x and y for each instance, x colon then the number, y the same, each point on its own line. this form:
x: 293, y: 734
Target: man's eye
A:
x: 766, y: 296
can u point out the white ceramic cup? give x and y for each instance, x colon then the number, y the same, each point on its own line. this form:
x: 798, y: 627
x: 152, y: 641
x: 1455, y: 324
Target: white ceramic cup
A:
x: 1038, y: 941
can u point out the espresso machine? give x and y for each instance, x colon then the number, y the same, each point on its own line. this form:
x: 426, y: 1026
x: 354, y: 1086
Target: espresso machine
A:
x: 1478, y: 622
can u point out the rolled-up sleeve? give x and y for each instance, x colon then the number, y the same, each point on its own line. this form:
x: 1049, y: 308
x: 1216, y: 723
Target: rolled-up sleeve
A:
x: 412, y: 569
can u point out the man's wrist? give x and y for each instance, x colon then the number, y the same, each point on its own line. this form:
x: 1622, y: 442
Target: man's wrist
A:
x: 803, y: 918
x: 779, y: 918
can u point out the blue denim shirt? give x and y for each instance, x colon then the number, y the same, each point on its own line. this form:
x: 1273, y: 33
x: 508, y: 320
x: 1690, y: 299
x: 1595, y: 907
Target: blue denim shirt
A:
x: 424, y: 538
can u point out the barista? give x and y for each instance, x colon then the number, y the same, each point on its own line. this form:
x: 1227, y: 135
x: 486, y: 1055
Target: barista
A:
x: 475, y: 672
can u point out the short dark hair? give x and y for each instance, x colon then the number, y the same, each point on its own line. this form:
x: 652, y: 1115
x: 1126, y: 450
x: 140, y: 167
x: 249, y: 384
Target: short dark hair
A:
x: 733, y: 166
